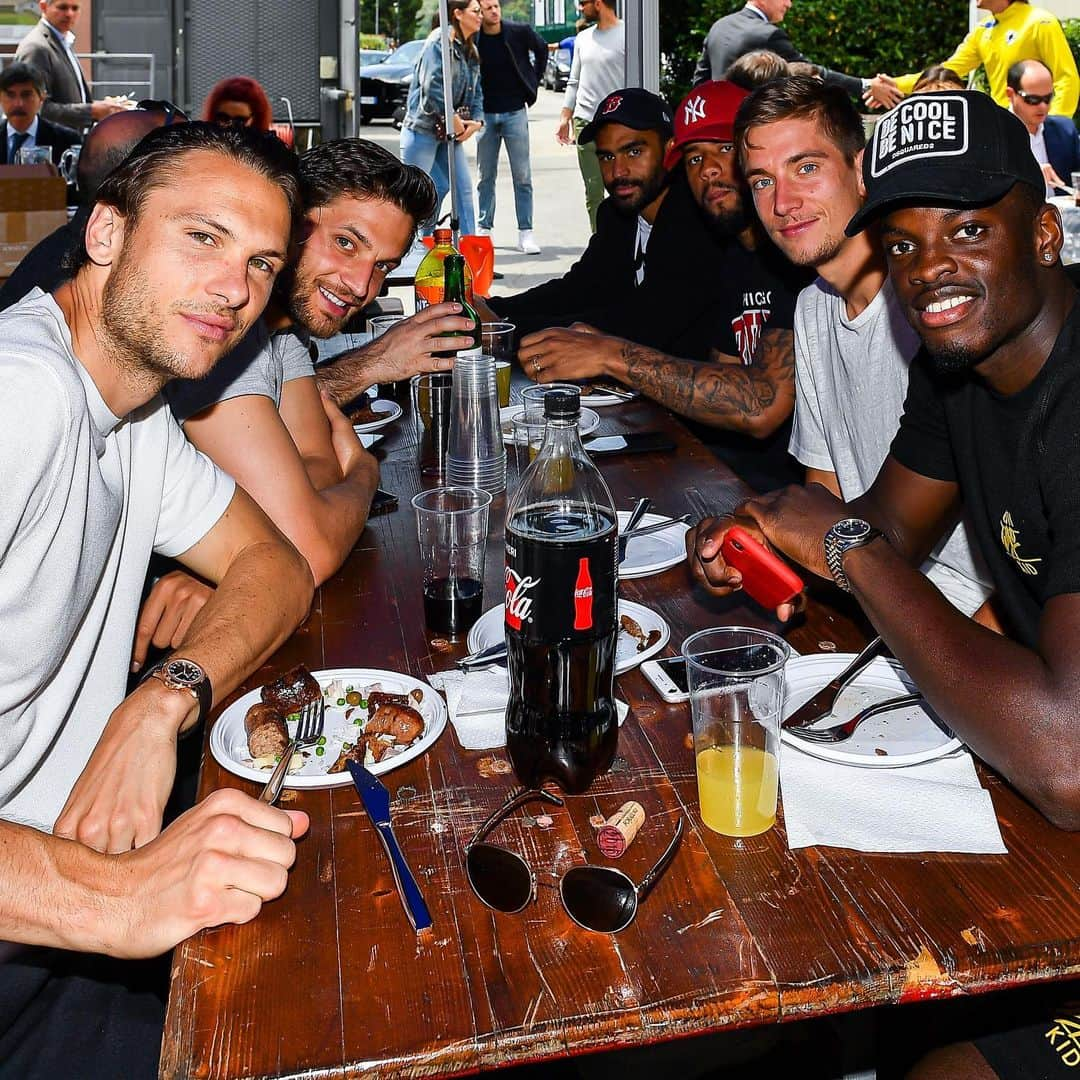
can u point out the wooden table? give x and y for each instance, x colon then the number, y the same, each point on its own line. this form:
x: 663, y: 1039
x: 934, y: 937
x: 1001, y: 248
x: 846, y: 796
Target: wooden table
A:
x: 331, y: 981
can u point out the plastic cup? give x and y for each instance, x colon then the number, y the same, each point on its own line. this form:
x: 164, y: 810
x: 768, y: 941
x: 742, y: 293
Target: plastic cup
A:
x: 452, y: 527
x: 502, y: 382
x: 497, y: 339
x: 379, y: 324
x: 475, y: 456
x: 397, y: 390
x: 526, y: 439
x: 1074, y: 183
x: 736, y: 681
x: 431, y: 410
x: 35, y: 155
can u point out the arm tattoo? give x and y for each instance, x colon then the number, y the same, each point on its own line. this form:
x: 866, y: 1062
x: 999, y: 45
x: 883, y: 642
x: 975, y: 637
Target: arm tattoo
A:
x: 753, y: 398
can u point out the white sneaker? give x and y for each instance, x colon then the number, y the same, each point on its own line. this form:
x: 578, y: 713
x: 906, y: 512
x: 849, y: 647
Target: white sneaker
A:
x: 527, y: 242
x: 481, y: 231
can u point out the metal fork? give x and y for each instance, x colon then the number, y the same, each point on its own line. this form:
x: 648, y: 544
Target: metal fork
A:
x: 308, y: 729
x: 844, y: 731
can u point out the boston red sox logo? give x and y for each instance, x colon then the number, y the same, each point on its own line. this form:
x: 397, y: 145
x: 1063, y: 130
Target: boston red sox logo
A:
x: 694, y: 110
x: 613, y: 103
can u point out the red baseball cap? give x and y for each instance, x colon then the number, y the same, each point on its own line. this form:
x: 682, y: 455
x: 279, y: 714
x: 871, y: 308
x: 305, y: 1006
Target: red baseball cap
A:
x: 706, y: 114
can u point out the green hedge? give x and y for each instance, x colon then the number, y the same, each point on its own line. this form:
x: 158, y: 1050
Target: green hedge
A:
x: 858, y: 37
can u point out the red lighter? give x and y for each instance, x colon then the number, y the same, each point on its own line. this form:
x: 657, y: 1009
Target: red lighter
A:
x: 766, y: 578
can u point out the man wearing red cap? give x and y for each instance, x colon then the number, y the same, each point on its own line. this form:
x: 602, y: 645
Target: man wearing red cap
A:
x: 743, y: 399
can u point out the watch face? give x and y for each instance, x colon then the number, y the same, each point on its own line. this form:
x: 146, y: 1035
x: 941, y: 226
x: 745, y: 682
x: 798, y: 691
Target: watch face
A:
x: 184, y: 672
x: 851, y: 529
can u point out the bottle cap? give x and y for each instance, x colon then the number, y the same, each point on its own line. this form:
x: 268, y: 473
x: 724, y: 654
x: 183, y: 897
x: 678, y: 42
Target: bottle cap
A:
x: 444, y: 236
x: 562, y: 405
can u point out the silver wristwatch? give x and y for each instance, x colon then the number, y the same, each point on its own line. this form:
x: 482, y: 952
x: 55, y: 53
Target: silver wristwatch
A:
x: 185, y: 676
x: 845, y: 535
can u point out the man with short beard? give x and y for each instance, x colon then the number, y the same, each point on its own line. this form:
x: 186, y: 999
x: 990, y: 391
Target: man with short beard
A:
x: 260, y: 415
x: 800, y: 144
x: 742, y: 396
x: 641, y: 275
x: 178, y: 258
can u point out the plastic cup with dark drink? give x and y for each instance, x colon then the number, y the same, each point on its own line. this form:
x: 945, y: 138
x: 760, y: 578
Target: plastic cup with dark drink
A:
x: 431, y: 404
x: 395, y: 391
x: 452, y: 526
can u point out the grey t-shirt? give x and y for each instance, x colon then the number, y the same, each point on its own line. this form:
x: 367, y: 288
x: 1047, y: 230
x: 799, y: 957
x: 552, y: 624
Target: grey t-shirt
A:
x: 851, y: 378
x: 261, y: 364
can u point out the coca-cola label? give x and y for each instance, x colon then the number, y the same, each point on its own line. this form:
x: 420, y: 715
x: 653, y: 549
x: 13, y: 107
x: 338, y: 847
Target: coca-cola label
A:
x: 561, y: 590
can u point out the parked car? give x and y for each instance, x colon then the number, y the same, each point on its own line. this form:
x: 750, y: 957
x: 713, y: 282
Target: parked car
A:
x: 373, y: 56
x: 557, y: 72
x: 384, y: 87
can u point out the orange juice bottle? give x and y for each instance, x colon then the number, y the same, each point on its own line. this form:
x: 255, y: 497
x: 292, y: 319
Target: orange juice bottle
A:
x: 430, y: 274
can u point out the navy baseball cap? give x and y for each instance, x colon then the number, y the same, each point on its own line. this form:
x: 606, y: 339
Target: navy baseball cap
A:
x: 633, y: 108
x: 945, y: 149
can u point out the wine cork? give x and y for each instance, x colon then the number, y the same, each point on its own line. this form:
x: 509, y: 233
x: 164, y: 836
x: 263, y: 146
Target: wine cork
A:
x: 618, y: 832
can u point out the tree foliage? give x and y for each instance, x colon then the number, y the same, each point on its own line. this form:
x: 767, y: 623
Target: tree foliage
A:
x: 858, y: 37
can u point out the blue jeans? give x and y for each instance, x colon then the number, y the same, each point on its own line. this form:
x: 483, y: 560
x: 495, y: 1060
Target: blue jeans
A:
x: 428, y: 153
x: 513, y: 128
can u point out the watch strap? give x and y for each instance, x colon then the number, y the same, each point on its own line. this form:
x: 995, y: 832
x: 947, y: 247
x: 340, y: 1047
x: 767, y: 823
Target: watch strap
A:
x: 836, y: 548
x: 203, y: 691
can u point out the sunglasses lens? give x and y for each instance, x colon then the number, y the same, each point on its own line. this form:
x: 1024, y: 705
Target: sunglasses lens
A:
x: 598, y: 898
x: 499, y: 877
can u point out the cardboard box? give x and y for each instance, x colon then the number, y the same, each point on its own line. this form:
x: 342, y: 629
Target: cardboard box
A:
x: 31, y: 187
x: 21, y: 230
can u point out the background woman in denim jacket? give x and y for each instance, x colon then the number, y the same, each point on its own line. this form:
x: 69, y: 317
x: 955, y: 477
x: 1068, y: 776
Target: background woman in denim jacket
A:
x: 425, y: 111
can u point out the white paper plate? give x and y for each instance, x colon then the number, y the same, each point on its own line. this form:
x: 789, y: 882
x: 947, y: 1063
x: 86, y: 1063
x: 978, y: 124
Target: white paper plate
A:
x: 390, y: 411
x: 367, y: 440
x: 907, y: 736
x: 597, y: 399
x: 647, y: 555
x: 589, y: 421
x: 228, y: 743
x: 488, y: 630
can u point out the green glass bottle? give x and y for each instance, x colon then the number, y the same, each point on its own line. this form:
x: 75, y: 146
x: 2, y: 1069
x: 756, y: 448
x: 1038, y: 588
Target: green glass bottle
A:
x: 455, y: 292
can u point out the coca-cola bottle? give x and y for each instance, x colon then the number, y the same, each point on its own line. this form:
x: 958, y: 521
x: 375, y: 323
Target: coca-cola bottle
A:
x: 561, y: 611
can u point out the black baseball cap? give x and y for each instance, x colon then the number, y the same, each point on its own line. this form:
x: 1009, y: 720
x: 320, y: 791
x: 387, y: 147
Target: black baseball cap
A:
x: 633, y: 108
x: 945, y: 149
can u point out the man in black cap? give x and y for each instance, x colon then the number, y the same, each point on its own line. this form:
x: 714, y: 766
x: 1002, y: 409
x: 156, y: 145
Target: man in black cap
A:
x: 644, y: 274
x: 990, y: 418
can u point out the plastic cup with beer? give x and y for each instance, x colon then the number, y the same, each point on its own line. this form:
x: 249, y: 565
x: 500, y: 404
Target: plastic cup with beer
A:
x: 532, y: 397
x: 736, y: 680
x: 526, y: 439
x: 431, y: 397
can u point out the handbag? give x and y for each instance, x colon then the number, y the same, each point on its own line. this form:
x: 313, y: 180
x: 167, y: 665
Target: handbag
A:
x: 440, y: 121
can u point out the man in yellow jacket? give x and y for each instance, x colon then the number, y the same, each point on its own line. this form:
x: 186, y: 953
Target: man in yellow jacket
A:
x: 1016, y: 30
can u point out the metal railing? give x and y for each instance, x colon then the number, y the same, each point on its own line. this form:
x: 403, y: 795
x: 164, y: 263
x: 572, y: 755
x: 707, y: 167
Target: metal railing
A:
x: 126, y: 58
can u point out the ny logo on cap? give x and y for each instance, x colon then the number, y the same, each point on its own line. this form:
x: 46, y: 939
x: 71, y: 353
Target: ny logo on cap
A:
x: 694, y: 110
x: 612, y: 103
x: 929, y: 126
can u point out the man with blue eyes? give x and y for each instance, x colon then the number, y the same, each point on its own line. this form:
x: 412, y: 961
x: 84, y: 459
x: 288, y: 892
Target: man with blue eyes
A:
x: 261, y: 417
x: 801, y: 146
x: 178, y: 258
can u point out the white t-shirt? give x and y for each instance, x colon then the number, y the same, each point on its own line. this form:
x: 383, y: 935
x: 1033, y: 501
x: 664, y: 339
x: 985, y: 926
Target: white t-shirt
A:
x: 641, y: 246
x: 851, y: 379
x: 260, y: 364
x: 598, y: 69
x: 86, y: 497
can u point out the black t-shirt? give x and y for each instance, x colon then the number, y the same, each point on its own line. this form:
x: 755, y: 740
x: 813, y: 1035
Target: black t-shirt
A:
x: 754, y: 290
x: 1016, y: 460
x: 502, y: 87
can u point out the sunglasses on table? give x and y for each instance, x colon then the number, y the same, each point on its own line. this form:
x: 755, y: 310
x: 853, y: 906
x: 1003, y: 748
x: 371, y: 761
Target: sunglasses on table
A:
x: 597, y: 898
x: 1035, y: 99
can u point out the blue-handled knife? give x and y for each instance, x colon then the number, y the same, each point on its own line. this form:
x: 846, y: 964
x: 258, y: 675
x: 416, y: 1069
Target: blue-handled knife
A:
x: 376, y: 800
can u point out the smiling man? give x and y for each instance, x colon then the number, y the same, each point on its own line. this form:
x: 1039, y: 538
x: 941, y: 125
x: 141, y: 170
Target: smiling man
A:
x: 801, y: 145
x: 730, y: 369
x: 261, y: 417
x: 179, y: 256
x: 990, y: 418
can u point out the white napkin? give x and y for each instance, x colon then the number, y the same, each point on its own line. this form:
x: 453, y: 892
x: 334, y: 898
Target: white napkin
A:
x: 476, y: 701
x: 936, y: 806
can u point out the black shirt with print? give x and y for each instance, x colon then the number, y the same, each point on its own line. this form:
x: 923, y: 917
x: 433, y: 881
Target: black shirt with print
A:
x: 1016, y: 459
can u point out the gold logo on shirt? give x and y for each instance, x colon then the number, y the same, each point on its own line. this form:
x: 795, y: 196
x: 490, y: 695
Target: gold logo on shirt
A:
x: 1010, y: 541
x: 1064, y: 1037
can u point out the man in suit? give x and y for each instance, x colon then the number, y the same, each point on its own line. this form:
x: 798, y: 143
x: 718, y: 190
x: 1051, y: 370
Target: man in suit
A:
x: 22, y: 93
x: 757, y: 26
x: 50, y: 48
x: 1055, y: 141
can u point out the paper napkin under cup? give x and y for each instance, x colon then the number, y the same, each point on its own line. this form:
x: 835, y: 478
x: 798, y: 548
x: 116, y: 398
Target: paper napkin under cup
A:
x: 476, y: 701
x: 934, y: 806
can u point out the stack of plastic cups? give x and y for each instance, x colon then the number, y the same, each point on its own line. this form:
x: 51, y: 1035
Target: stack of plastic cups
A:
x: 475, y: 456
